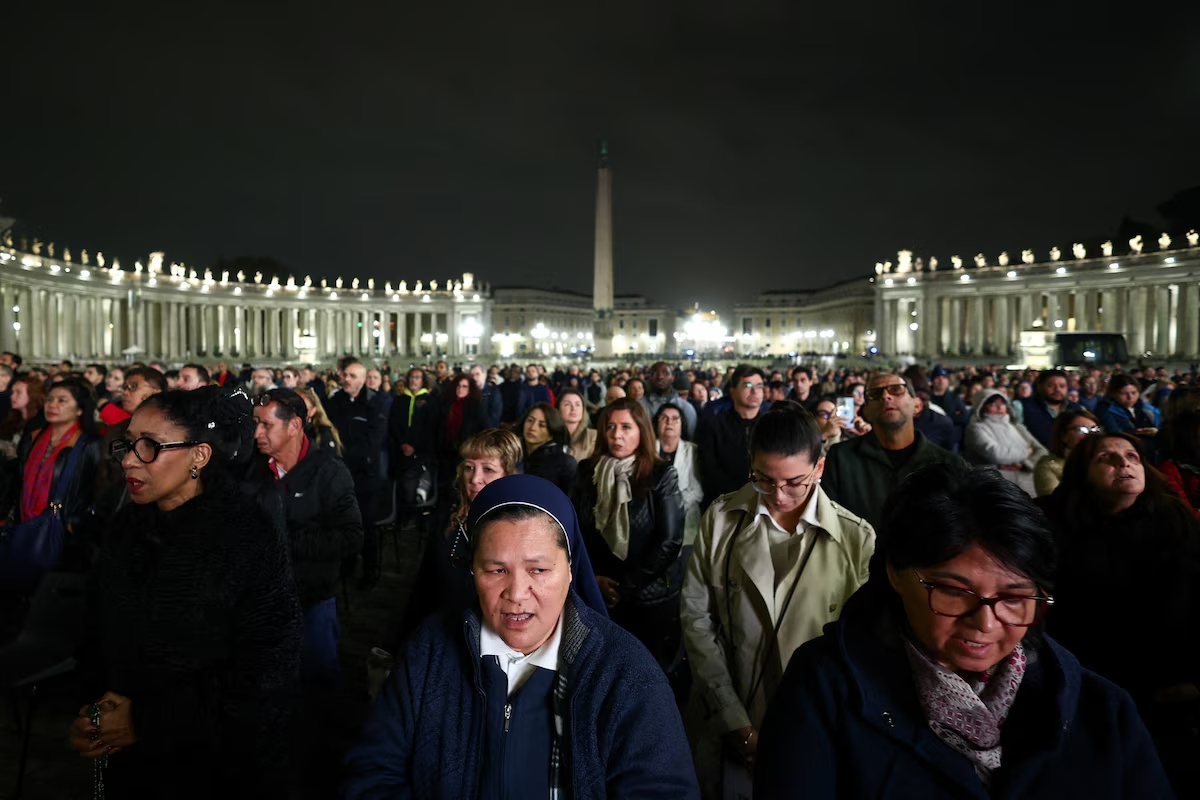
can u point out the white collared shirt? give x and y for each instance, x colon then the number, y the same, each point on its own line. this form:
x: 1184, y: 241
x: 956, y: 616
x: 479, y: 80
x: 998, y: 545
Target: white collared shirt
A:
x: 517, y: 666
x: 785, y: 546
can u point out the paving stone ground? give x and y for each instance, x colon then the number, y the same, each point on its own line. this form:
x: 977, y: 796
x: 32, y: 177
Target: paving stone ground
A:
x: 56, y: 773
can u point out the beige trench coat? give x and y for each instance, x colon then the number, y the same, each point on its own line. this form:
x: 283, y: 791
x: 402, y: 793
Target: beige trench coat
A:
x: 728, y: 625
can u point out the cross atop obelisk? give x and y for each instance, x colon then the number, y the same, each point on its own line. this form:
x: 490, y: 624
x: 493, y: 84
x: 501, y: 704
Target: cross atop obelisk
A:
x: 602, y: 291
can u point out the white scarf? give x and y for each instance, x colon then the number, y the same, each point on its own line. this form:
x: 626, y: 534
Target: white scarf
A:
x: 613, y: 494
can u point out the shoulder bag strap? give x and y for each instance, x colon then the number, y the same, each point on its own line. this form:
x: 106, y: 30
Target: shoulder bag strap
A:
x: 64, y: 480
x: 771, y: 648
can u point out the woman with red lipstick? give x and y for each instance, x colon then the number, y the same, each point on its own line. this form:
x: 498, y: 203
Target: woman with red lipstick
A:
x: 1122, y: 528
x: 937, y: 682
x: 193, y: 663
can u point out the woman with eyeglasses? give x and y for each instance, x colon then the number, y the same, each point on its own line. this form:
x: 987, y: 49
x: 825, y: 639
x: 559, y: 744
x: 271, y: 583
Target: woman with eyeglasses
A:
x: 194, y: 639
x: 1067, y: 431
x: 773, y: 563
x: 631, y: 514
x: 1129, y: 561
x: 937, y: 681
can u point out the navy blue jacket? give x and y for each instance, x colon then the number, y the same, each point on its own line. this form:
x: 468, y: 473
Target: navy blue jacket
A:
x: 846, y: 722
x: 623, y: 736
x: 1038, y: 419
x: 956, y: 412
x: 938, y: 429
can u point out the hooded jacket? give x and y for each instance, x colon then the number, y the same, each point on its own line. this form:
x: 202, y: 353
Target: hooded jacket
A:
x: 995, y: 440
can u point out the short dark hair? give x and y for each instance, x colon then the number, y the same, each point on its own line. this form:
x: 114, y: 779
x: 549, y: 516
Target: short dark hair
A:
x: 150, y: 375
x: 171, y: 375
x: 84, y: 396
x: 14, y: 358
x: 743, y: 371
x: 103, y: 370
x: 786, y: 429
x: 201, y: 371
x: 288, y: 404
x: 1047, y: 374
x: 1119, y: 381
x: 68, y: 363
x: 941, y: 511
x: 216, y: 417
x: 802, y: 369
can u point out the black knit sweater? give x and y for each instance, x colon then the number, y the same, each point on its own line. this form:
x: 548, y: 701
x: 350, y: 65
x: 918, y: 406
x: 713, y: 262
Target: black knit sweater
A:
x: 196, y: 620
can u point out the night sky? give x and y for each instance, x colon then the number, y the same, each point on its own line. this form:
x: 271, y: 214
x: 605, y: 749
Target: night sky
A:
x: 754, y: 145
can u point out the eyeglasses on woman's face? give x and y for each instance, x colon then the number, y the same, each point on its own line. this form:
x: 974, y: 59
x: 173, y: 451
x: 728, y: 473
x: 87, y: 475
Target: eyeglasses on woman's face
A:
x: 145, y: 448
x: 1012, y: 610
x: 792, y: 487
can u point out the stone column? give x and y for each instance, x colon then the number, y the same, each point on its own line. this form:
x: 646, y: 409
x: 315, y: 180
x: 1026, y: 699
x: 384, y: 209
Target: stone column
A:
x: 1002, y: 337
x: 1189, y: 320
x: 1162, y: 321
x: 1137, y: 321
x: 418, y: 332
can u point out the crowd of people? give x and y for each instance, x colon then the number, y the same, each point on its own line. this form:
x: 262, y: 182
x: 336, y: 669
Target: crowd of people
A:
x: 652, y: 582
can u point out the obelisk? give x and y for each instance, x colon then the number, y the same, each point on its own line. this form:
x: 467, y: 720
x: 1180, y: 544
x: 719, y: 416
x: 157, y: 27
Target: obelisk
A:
x: 602, y: 287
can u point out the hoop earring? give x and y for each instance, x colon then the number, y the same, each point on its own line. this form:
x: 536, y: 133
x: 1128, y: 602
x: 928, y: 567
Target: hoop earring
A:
x: 195, y: 474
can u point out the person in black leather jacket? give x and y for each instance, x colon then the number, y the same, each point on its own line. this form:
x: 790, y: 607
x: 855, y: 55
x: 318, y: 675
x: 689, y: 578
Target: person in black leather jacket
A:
x: 70, y: 422
x: 545, y: 438
x: 631, y: 514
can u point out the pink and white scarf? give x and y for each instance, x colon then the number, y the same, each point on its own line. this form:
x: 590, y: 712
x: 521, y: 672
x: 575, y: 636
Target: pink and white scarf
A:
x: 968, y: 717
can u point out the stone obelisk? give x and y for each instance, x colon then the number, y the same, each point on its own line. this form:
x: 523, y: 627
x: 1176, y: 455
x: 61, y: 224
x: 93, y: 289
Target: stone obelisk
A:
x: 602, y: 287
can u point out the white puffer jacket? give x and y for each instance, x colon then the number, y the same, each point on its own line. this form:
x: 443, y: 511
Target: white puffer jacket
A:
x: 997, y: 439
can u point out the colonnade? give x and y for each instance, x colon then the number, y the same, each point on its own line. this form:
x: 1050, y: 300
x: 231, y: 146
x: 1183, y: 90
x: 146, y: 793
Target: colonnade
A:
x: 1155, y: 303
x: 50, y: 314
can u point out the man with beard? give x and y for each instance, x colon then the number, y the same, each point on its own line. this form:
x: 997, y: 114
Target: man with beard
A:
x: 661, y: 391
x: 862, y: 472
x: 1049, y: 400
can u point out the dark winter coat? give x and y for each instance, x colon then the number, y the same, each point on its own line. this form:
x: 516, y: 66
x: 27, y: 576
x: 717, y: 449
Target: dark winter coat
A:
x: 412, y: 422
x: 323, y: 521
x: 652, y: 572
x: 724, y: 444
x: 552, y: 462
x: 83, y: 529
x: 622, y: 735
x: 860, y: 476
x: 362, y: 425
x: 846, y: 722
x: 1037, y: 418
x: 196, y: 621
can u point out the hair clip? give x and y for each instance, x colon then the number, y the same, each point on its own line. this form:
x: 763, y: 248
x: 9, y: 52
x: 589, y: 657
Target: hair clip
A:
x: 212, y: 425
x: 240, y: 391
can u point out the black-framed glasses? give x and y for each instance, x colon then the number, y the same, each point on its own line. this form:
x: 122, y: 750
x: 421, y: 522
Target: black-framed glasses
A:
x: 792, y: 487
x: 1011, y: 610
x: 145, y: 448
x: 894, y: 389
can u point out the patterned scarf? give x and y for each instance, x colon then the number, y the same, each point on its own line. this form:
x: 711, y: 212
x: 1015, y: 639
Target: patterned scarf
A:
x: 613, y: 494
x: 968, y: 717
x: 39, y: 471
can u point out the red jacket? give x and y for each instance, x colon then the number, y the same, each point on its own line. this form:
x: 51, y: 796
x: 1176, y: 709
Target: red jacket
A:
x: 1186, y: 481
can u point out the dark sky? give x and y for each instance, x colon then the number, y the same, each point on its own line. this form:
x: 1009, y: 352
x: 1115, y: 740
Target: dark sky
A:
x: 756, y: 145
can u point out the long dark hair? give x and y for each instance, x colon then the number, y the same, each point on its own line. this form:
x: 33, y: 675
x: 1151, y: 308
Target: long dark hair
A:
x: 646, y: 456
x: 474, y: 396
x: 1079, y: 497
x: 84, y: 396
x: 554, y: 424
